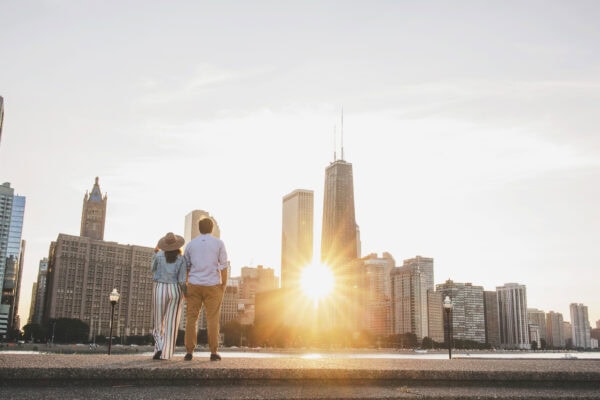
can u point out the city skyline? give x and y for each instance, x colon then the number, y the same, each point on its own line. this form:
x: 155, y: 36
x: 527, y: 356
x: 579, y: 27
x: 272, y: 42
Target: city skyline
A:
x: 472, y: 144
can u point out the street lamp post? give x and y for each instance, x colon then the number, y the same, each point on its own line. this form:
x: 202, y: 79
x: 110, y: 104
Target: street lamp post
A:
x: 113, y: 297
x: 53, y: 328
x: 241, y: 309
x: 448, y: 307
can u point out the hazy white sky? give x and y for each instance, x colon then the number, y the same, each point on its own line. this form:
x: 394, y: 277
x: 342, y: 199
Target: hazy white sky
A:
x: 472, y: 127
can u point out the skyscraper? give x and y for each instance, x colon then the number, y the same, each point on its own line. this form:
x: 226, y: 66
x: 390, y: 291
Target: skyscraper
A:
x: 340, y: 247
x: 555, y: 338
x: 339, y: 241
x: 538, y: 318
x: 12, y: 211
x: 40, y: 295
x: 435, y: 316
x: 512, y: 312
x: 568, y: 334
x: 492, y: 327
x: 191, y: 229
x: 32, y: 303
x: 410, y: 284
x: 378, y: 293
x: 580, y: 324
x: 257, y: 280
x: 296, y: 236
x: 468, y: 316
x: 93, y: 216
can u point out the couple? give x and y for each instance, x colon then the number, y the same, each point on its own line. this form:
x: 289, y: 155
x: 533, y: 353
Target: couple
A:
x: 204, y: 267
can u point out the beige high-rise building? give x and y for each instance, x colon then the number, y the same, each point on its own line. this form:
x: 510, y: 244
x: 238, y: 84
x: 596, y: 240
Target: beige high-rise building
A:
x: 435, y: 310
x: 492, y: 327
x: 296, y: 236
x: 378, y: 293
x: 257, y: 280
x: 83, y: 271
x: 191, y: 230
x: 580, y: 325
x: 538, y: 318
x: 512, y: 312
x: 568, y: 334
x: 410, y: 284
x: 93, y: 216
x: 252, y: 281
x: 555, y: 338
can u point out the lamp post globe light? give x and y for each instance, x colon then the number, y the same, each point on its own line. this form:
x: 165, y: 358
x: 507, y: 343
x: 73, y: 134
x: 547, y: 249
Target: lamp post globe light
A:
x: 114, y: 298
x: 448, y: 307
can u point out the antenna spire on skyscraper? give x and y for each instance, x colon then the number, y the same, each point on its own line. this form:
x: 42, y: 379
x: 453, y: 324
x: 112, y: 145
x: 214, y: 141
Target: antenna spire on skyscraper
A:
x: 342, y: 133
x: 334, y: 144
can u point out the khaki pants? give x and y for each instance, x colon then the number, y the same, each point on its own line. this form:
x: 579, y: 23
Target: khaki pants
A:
x: 211, y: 297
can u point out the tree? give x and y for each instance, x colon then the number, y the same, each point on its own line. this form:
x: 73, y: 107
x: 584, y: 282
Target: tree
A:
x: 534, y: 345
x: 405, y: 340
x: 232, y: 331
x: 363, y: 339
x: 68, y: 330
x: 34, y: 332
x: 14, y: 334
x: 427, y: 343
x: 180, y: 341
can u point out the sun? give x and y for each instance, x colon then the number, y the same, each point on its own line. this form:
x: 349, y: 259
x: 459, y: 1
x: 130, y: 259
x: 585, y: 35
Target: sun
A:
x: 317, y: 282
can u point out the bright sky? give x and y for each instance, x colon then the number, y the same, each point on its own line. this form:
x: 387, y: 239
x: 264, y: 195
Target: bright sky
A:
x: 472, y: 127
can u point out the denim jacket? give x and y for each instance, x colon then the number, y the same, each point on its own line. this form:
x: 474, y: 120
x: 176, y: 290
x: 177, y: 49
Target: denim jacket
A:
x: 168, y: 273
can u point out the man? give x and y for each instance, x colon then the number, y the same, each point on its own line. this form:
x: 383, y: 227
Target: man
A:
x: 207, y: 278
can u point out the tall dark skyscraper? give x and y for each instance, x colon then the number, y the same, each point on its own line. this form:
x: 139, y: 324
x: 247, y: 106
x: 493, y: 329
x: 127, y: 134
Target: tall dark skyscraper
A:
x: 340, y: 249
x: 339, y: 238
x: 93, y: 216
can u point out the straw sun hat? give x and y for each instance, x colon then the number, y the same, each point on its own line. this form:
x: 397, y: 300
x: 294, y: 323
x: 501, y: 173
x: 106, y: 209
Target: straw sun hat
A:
x: 170, y: 242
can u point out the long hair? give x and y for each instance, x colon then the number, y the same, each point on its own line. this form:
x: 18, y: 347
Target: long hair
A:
x: 171, y: 256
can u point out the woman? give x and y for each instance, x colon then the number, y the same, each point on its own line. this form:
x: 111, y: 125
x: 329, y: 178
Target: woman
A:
x: 169, y: 273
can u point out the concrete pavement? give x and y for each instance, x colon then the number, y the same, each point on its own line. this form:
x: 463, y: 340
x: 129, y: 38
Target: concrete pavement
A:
x: 292, y: 376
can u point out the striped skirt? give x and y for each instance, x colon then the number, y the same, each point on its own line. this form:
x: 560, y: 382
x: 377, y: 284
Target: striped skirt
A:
x: 167, y: 307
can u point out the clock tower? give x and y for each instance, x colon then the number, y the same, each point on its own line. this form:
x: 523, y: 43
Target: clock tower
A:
x: 93, y: 216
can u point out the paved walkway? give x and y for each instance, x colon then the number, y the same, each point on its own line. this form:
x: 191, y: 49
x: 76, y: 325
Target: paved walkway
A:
x: 296, y: 377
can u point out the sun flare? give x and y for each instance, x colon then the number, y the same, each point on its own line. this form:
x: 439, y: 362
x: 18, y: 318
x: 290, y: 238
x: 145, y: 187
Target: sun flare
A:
x: 317, y: 282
